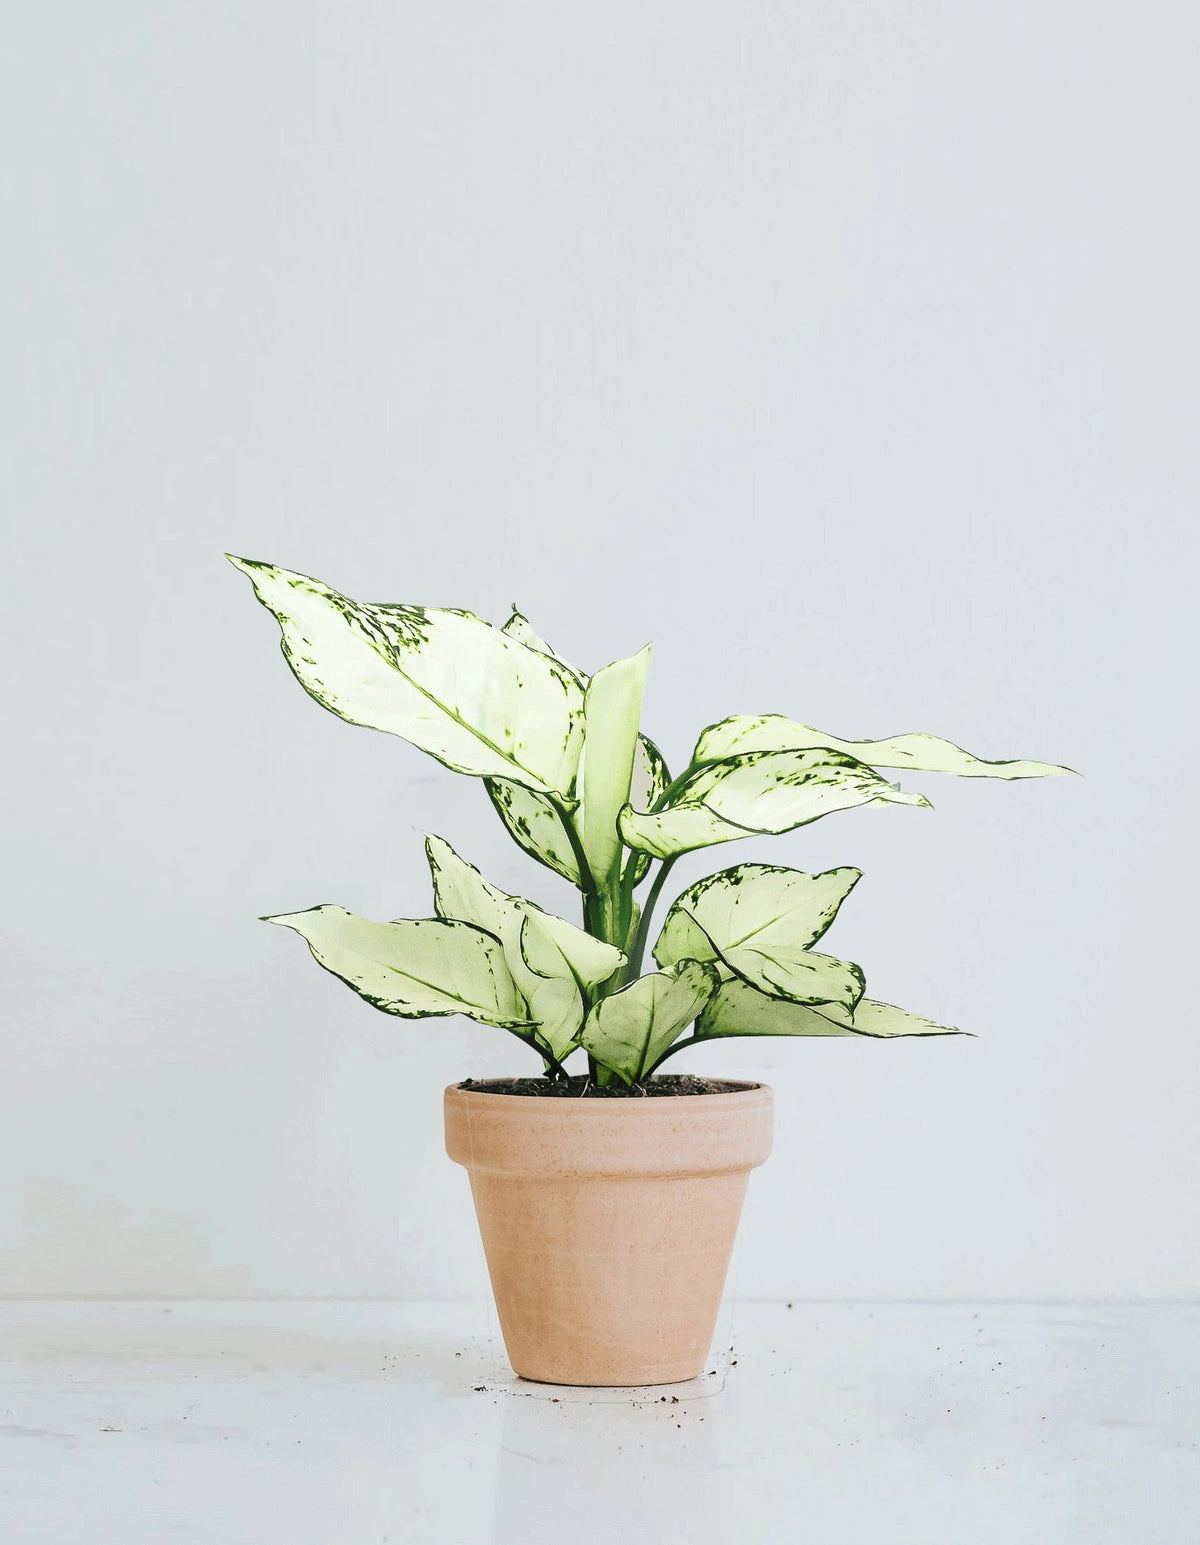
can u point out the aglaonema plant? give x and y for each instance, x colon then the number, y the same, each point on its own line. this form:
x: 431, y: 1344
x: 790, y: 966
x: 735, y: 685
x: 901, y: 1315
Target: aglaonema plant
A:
x: 583, y: 791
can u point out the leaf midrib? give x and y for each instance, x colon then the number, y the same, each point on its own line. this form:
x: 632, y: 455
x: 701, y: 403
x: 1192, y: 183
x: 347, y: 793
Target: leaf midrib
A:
x: 392, y: 659
x: 738, y: 943
x: 411, y: 976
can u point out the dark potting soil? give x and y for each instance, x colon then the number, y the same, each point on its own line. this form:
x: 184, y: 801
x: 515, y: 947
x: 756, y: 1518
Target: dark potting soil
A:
x: 580, y: 1087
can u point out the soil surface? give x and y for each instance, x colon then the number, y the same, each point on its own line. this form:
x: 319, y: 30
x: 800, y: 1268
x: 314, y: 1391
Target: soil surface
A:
x: 582, y: 1088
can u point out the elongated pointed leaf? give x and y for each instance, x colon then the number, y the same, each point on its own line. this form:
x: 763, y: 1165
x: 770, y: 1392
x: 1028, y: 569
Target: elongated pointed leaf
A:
x: 739, y: 1009
x: 650, y: 775
x: 531, y: 818
x: 757, y: 793
x: 885, y: 1020
x: 612, y: 711
x: 535, y: 825
x: 751, y: 905
x: 415, y: 968
x: 650, y: 780
x: 552, y: 944
x: 759, y: 921
x: 519, y: 627
x: 555, y: 1005
x: 629, y: 1031
x: 471, y: 695
x: 916, y: 752
x: 551, y: 962
x: 461, y: 891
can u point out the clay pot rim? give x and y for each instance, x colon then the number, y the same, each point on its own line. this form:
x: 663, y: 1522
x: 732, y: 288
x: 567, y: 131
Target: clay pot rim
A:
x: 552, y: 1138
x: 630, y: 1102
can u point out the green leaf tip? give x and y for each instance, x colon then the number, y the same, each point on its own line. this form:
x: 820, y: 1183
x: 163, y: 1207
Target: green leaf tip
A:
x: 480, y: 700
x: 246, y: 565
x: 913, y: 752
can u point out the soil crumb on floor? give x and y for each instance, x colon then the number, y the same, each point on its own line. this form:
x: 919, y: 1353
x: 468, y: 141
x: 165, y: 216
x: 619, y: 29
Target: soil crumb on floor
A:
x: 581, y: 1088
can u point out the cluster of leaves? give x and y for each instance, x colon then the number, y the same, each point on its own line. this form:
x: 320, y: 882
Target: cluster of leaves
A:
x: 583, y: 791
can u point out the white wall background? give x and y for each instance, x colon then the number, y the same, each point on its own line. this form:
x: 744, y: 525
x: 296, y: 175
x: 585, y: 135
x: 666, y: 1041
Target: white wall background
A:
x: 846, y: 350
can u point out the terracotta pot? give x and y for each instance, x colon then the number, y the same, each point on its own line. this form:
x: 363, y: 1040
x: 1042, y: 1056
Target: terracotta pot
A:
x: 608, y: 1223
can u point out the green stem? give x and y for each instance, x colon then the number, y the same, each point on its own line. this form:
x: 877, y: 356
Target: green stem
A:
x: 553, y: 1068
x: 587, y: 881
x: 634, y: 968
x: 673, y: 788
x: 626, y: 888
x: 688, y: 1040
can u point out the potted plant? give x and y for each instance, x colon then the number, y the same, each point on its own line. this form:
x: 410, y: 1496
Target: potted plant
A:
x: 607, y: 1197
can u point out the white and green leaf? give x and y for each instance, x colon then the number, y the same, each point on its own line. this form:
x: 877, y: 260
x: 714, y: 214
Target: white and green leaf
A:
x: 760, y: 921
x: 758, y: 792
x: 534, y: 823
x: 736, y: 1008
x: 415, y: 968
x: 519, y: 627
x: 630, y: 1031
x: 551, y: 962
x: 473, y: 696
x: 915, y: 752
x: 752, y: 904
x: 612, y: 712
x: 650, y: 781
x: 885, y: 1020
x: 553, y: 947
x: 532, y: 820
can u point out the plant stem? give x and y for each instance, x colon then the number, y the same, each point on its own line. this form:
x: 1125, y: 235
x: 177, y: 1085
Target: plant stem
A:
x: 626, y: 886
x: 675, y: 785
x: 553, y: 1067
x: 634, y: 968
x: 587, y: 882
x: 688, y: 1040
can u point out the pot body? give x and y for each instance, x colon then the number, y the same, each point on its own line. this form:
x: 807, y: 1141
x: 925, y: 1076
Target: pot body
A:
x: 608, y: 1224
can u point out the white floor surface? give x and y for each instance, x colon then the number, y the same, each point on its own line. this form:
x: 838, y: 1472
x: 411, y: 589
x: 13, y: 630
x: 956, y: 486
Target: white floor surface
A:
x: 358, y: 1424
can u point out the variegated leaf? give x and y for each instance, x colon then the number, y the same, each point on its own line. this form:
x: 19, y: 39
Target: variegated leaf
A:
x: 552, y: 962
x: 759, y: 920
x: 739, y: 1009
x: 415, y: 968
x: 885, y: 1020
x: 916, y: 752
x: 630, y: 1031
x: 650, y: 780
x: 519, y: 627
x: 760, y: 792
x: 531, y: 818
x: 535, y: 825
x: 650, y: 775
x: 471, y: 695
x: 554, y: 946
x: 612, y: 711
